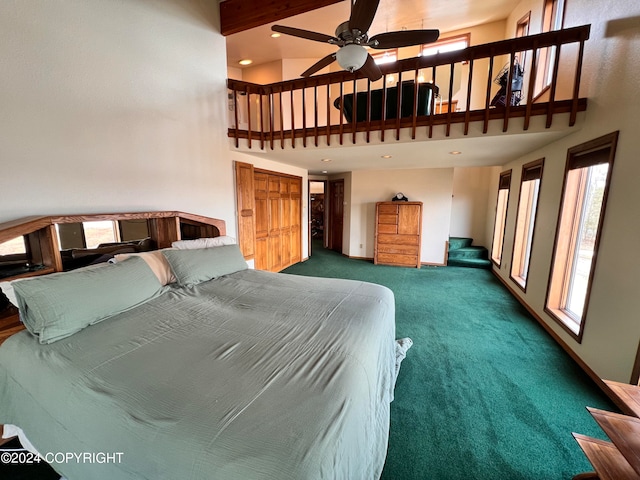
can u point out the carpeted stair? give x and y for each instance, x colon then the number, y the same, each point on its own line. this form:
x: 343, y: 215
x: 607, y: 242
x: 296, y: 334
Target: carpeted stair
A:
x: 463, y: 254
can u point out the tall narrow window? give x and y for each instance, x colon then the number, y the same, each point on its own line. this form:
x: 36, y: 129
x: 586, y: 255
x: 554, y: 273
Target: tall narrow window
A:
x: 501, y: 217
x: 522, y: 30
x: 525, y: 222
x: 552, y: 18
x: 584, y: 196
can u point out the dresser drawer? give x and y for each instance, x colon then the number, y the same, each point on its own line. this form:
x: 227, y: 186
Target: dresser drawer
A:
x: 387, y: 219
x: 398, y: 259
x: 399, y: 239
x: 387, y: 228
x: 387, y: 209
x: 403, y: 249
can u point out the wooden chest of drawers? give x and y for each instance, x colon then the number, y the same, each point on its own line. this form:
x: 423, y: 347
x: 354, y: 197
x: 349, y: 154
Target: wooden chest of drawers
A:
x: 9, y: 323
x: 398, y: 233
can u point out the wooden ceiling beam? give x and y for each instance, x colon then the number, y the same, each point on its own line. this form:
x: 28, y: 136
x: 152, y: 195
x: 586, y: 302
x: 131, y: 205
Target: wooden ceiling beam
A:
x: 240, y: 15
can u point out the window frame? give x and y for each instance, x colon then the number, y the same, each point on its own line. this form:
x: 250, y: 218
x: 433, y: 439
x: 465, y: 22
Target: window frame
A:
x: 522, y: 30
x: 389, y: 52
x: 444, y: 41
x: 503, y: 184
x: 580, y: 156
x: 530, y: 171
x: 550, y: 22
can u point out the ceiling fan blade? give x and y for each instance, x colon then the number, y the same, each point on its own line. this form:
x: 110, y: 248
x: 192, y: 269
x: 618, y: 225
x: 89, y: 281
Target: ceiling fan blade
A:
x: 403, y: 38
x: 319, y: 65
x: 371, y: 69
x: 362, y: 14
x: 297, y: 32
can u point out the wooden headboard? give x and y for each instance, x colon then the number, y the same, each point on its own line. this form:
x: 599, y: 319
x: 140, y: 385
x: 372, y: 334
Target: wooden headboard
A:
x: 43, y: 255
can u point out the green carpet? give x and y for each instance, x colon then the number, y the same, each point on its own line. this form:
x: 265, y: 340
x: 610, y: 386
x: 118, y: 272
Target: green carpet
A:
x: 485, y: 392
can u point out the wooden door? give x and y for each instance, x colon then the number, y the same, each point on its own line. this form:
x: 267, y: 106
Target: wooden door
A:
x: 409, y: 219
x: 261, y: 220
x: 269, y: 217
x: 336, y: 214
x: 285, y: 227
x: 274, y: 220
x: 245, y: 203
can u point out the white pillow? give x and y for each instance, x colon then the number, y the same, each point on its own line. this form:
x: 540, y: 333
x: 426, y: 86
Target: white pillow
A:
x: 156, y: 261
x: 204, y: 243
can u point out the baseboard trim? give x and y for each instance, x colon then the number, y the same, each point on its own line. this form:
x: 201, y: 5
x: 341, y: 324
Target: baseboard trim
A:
x: 598, y: 381
x: 370, y: 259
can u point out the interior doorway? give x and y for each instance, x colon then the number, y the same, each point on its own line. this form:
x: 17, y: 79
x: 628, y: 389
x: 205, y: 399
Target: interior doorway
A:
x: 336, y: 214
x: 317, y: 214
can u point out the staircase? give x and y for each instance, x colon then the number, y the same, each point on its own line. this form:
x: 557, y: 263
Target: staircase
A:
x: 462, y: 253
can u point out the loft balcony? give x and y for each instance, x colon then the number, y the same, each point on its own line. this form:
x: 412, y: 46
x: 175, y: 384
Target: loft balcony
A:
x: 454, y: 94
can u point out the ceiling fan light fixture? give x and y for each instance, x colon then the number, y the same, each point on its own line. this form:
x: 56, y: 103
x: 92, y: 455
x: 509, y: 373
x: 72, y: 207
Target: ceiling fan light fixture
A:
x: 351, y: 57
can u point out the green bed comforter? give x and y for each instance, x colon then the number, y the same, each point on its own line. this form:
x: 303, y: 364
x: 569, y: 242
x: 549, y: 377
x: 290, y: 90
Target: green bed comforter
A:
x: 253, y: 375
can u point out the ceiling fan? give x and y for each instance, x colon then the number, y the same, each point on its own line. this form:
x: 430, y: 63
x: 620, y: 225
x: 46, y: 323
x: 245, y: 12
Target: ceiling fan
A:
x: 351, y: 36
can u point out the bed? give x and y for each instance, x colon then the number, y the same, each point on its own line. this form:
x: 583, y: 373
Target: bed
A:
x: 226, y: 373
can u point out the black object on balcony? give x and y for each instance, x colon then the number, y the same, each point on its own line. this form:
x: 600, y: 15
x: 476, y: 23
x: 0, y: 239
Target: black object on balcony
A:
x: 426, y: 94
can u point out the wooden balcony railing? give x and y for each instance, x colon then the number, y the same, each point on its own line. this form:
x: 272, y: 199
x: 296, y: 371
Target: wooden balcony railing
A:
x: 438, y: 90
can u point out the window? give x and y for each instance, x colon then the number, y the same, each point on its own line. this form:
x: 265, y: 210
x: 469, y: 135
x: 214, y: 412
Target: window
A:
x: 450, y: 44
x: 87, y: 234
x: 13, y: 247
x: 99, y: 232
x: 501, y: 217
x: 582, y: 208
x: 525, y: 221
x: 552, y: 18
x: 522, y: 30
x: 388, y: 56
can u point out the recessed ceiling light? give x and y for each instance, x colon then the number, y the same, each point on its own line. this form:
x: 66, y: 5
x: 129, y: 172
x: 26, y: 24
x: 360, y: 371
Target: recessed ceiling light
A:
x: 246, y: 61
x: 275, y: 35
x: 324, y: 171
x: 386, y: 156
x: 455, y: 152
x: 326, y: 160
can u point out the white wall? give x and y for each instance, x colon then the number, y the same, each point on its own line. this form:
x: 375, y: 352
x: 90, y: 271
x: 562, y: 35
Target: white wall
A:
x: 469, y: 208
x: 432, y: 186
x: 610, y: 73
x: 113, y: 106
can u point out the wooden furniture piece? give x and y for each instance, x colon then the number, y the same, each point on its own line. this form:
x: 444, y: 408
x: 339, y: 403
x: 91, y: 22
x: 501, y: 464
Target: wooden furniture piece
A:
x: 388, y: 95
x: 443, y: 106
x: 9, y: 323
x: 620, y: 458
x: 398, y: 233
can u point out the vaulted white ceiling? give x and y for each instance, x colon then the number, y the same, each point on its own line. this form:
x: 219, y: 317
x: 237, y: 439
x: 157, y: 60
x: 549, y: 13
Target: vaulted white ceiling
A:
x: 445, y: 15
